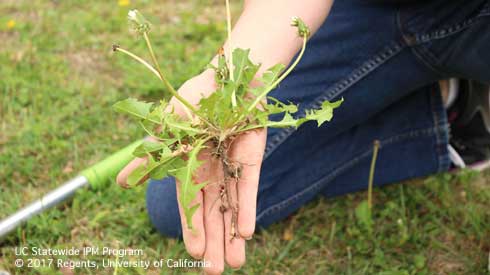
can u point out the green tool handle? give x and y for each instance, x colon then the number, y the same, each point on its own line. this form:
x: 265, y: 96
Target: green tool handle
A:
x: 107, y: 169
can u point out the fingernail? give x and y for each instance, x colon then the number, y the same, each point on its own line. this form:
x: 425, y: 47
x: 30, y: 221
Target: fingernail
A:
x: 248, y: 238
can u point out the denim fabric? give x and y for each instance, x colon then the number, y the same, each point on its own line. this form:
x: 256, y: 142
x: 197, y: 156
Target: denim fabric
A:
x: 385, y: 61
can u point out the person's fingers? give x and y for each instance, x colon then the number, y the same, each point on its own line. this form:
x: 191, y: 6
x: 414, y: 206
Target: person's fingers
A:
x: 248, y: 150
x: 234, y: 244
x: 122, y: 177
x: 194, y: 240
x: 213, y: 221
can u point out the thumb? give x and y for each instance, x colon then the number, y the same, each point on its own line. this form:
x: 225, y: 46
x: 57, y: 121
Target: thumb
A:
x: 122, y: 177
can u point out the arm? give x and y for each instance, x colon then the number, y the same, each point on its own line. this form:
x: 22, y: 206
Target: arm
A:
x: 264, y: 28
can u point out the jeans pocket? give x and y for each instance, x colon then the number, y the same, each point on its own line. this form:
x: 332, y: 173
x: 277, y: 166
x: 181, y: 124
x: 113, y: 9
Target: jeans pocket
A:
x: 432, y: 20
x: 450, y: 37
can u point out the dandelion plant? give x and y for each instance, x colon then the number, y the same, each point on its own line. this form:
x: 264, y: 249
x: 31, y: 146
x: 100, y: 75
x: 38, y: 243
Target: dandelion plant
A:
x: 234, y: 108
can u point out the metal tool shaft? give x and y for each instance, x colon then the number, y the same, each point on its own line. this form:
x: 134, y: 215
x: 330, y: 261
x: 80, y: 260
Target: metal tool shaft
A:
x: 49, y: 200
x: 95, y: 176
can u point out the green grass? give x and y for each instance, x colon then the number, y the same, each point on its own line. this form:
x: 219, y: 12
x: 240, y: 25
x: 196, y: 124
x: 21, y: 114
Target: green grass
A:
x: 58, y: 80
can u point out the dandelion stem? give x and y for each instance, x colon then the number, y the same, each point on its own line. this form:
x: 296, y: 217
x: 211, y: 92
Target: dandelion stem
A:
x: 281, y: 78
x: 187, y: 105
x: 137, y: 58
x: 230, y: 52
x: 371, y: 173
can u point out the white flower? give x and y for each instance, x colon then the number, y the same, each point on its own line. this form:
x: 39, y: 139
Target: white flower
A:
x: 138, y: 22
x: 294, y: 21
x: 132, y: 14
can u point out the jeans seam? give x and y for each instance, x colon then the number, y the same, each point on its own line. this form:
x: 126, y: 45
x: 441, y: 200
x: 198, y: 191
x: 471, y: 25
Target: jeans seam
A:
x: 417, y: 40
x: 439, y: 119
x: 338, y: 89
x: 322, y: 183
x: 410, y: 42
x: 421, y: 38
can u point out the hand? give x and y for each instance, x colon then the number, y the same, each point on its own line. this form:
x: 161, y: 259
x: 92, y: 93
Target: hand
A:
x: 212, y: 238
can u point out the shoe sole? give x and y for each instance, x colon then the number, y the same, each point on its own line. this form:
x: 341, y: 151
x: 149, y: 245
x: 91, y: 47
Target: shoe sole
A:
x: 480, y: 166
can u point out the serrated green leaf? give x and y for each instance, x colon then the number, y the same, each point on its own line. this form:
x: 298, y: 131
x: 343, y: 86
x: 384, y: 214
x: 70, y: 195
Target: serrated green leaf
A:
x: 221, y: 71
x: 243, y: 69
x: 217, y: 107
x: 140, y: 172
x: 321, y: 115
x: 325, y: 113
x: 188, y: 187
x: 189, y: 212
x: 158, y: 113
x: 271, y: 74
x: 179, y: 127
x: 134, y: 107
x: 208, y: 106
x: 287, y: 121
x: 147, y: 147
x: 267, y: 79
x: 279, y: 107
x: 164, y: 169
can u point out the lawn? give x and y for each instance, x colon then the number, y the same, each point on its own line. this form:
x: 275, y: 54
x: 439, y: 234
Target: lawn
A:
x: 58, y: 80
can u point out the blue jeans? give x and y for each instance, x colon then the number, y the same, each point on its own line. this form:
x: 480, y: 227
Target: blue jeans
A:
x: 385, y: 61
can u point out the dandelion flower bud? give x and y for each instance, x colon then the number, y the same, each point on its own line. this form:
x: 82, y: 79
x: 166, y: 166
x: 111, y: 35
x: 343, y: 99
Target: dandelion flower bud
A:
x: 138, y: 22
x: 303, y: 29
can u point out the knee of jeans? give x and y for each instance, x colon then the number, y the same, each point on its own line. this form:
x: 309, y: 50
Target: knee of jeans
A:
x: 162, y: 207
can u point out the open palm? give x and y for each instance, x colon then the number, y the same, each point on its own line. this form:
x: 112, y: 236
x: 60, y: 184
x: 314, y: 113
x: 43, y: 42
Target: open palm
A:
x: 212, y: 238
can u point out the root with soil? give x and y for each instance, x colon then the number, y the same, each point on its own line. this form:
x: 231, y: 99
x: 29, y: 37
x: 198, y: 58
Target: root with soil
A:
x: 232, y: 172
